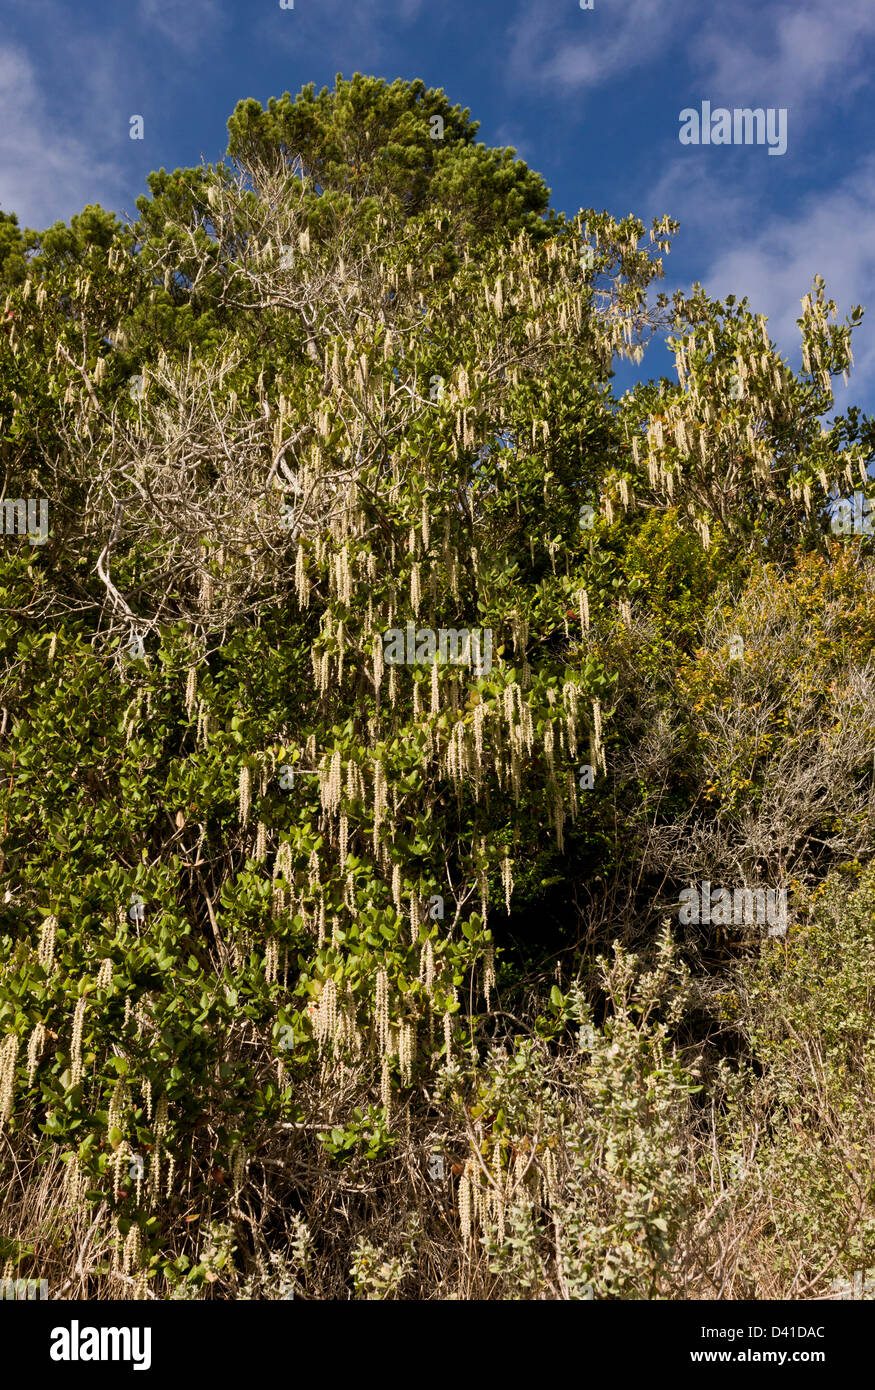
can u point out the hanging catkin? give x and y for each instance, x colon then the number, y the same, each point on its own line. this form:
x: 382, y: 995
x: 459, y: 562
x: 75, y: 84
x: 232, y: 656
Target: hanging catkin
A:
x: 569, y: 701
x: 190, y: 691
x: 488, y: 974
x: 35, y: 1046
x: 583, y: 601
x: 46, y: 952
x: 326, y: 1014
x: 245, y: 793
x: 379, y: 800
x: 271, y: 961
x: 548, y: 744
x: 385, y: 1091
x: 507, y: 880
x: 396, y: 889
x: 76, y: 1044
x: 8, y: 1056
x: 331, y: 785
x: 599, y: 756
x: 479, y: 720
x: 406, y: 1049
x: 558, y: 818
x: 426, y: 966
x: 379, y: 666
x: 302, y: 584
x: 314, y: 872
x: 464, y: 1200
x: 381, y: 1011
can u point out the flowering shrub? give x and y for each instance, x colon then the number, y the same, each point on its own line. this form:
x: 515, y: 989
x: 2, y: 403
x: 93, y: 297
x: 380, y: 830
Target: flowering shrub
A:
x: 282, y: 916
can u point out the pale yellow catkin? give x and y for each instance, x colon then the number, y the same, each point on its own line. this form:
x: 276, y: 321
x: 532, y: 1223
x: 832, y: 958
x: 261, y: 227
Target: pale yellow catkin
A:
x: 245, y: 793
x: 488, y: 974
x: 426, y: 967
x: 8, y: 1057
x: 583, y: 599
x: 381, y: 1010
x: 396, y: 888
x: 465, y: 1204
x: 326, y: 1014
x: 131, y: 1251
x: 35, y: 1046
x: 406, y: 1051
x: 72, y: 1188
x: 48, y: 936
x: 117, y: 1105
x: 507, y: 880
x: 154, y: 1179
x: 191, y: 691
x: 271, y: 961
x: 76, y: 1044
x: 385, y: 1089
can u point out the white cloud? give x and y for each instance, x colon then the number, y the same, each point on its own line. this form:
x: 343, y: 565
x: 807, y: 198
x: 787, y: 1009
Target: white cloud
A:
x: 774, y: 54
x: 509, y: 134
x: 46, y: 171
x: 574, y: 49
x: 693, y: 189
x: 772, y: 257
x: 189, y: 24
x: 787, y: 54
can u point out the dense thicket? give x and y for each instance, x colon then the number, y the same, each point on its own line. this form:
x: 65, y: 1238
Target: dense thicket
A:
x: 325, y: 973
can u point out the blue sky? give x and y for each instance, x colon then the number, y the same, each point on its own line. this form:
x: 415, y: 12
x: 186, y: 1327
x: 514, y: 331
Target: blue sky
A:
x: 589, y: 98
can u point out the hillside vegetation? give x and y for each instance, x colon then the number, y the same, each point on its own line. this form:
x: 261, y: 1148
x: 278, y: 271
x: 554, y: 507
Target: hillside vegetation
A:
x: 334, y: 967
